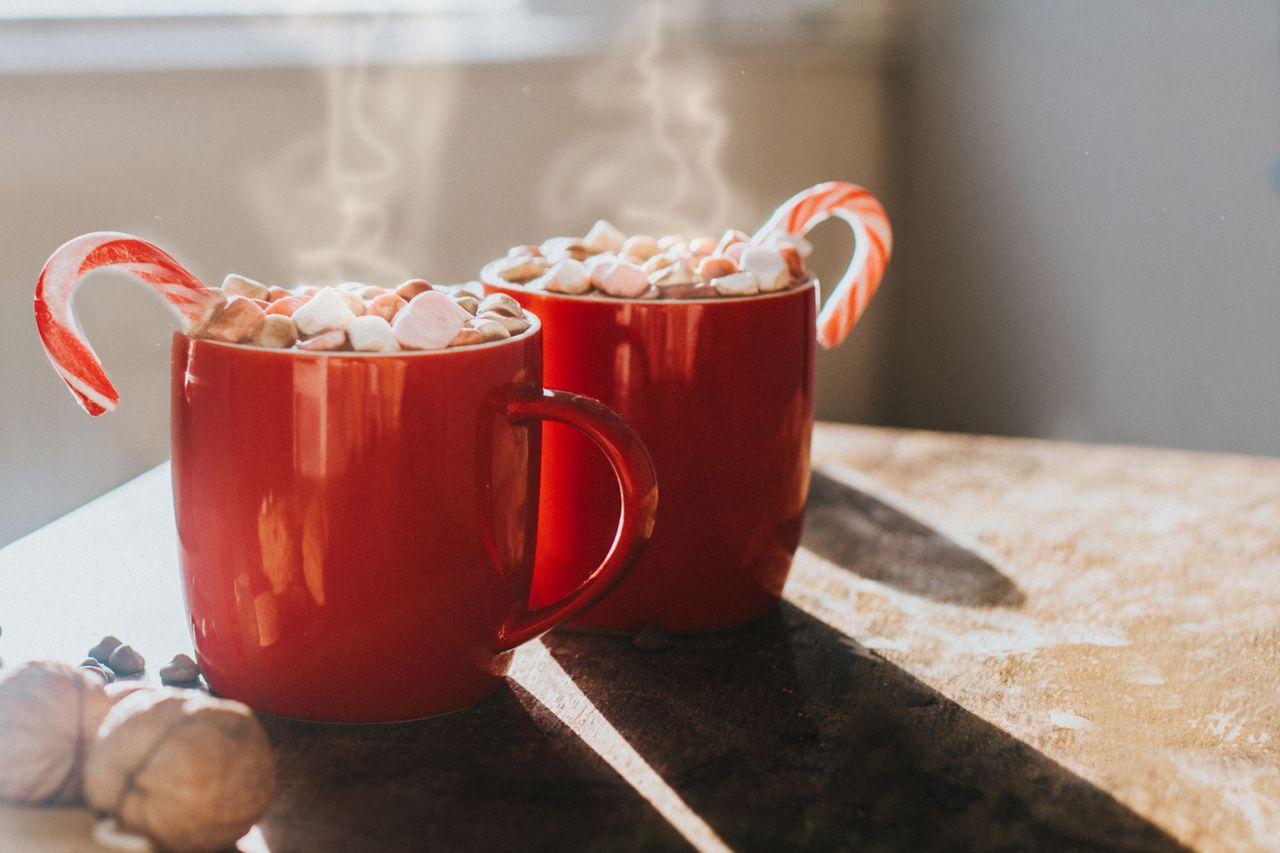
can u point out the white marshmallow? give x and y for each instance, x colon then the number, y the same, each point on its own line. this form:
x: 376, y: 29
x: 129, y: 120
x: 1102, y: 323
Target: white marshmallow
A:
x: 371, y: 333
x: 619, y: 278
x: 778, y: 237
x: 567, y: 276
x: 640, y: 248
x: 769, y: 268
x: 513, y: 325
x: 238, y: 285
x: 604, y: 237
x: 557, y: 248
x: 501, y: 303
x: 738, y: 284
x: 327, y: 311
x: 522, y: 269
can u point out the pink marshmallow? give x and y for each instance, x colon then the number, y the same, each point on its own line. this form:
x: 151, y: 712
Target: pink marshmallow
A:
x: 430, y: 321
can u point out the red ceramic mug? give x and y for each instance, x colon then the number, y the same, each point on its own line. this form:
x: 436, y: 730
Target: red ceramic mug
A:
x: 721, y: 392
x: 357, y: 531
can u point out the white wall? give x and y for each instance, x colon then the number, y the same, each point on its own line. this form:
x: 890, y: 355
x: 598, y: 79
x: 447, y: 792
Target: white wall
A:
x: 192, y: 159
x: 1091, y: 244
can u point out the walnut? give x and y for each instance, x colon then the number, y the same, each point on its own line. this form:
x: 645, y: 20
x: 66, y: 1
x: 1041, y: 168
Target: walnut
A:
x: 49, y: 712
x: 191, y: 772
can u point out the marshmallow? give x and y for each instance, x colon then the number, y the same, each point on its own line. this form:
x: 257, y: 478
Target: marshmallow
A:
x: 767, y: 266
x: 657, y: 262
x: 795, y: 263
x: 619, y: 278
x: 733, y: 235
x: 327, y: 311
x: 277, y: 331
x: 702, y: 246
x: 480, y: 331
x: 513, y: 325
x: 275, y: 294
x: 559, y: 248
x: 412, y: 288
x: 468, y: 336
x: 325, y: 342
x: 604, y: 237
x: 492, y: 330
x: 371, y: 333
x: 474, y: 288
x: 738, y: 284
x: 354, y: 302
x: 778, y: 238
x: 371, y: 292
x: 238, y: 285
x: 640, y: 248
x: 734, y: 252
x: 502, y: 304
x: 466, y: 302
x: 352, y: 286
x: 716, y: 267
x: 669, y: 240
x: 567, y: 276
x: 429, y: 321
x: 678, y: 272
x: 524, y: 252
x: 385, y: 306
x: 520, y: 270
x: 212, y: 305
x: 679, y: 251
x: 237, y: 320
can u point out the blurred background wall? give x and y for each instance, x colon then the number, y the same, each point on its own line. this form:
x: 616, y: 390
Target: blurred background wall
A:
x: 1090, y: 243
x: 1085, y: 195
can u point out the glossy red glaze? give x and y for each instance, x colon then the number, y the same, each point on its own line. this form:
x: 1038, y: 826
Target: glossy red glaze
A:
x: 357, y: 532
x: 721, y: 392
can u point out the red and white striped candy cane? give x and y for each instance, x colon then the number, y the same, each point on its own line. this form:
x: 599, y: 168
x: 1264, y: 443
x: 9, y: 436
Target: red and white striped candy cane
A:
x: 873, y: 242
x: 65, y: 344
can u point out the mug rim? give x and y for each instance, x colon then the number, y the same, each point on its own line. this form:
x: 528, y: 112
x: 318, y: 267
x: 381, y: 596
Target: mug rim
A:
x: 292, y: 352
x: 495, y: 281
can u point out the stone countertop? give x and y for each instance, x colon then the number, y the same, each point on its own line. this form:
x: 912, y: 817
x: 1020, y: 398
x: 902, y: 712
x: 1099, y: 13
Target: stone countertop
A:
x: 985, y: 643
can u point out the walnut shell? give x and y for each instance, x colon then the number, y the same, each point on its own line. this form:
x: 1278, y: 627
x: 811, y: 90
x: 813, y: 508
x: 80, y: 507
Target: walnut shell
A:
x: 49, y: 712
x: 189, y: 771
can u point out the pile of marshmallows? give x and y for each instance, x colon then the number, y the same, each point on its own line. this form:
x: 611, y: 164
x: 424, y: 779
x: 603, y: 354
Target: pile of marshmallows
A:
x: 608, y: 262
x: 353, y: 316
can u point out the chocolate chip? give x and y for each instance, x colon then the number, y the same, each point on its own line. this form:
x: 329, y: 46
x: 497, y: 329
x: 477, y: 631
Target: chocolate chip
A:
x: 102, y: 652
x: 125, y: 660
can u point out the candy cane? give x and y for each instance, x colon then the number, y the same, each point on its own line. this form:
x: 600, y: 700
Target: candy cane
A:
x: 873, y: 242
x: 64, y: 342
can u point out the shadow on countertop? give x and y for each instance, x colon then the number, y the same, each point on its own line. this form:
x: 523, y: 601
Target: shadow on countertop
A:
x: 493, y: 777
x: 786, y: 736
x: 866, y: 536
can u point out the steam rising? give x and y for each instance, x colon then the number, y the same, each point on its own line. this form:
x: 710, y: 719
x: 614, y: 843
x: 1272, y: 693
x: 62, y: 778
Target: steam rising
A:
x: 642, y: 148
x: 335, y: 196
x: 652, y: 161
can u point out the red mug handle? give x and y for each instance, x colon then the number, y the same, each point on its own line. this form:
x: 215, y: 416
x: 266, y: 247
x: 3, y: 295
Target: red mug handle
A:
x: 638, y: 483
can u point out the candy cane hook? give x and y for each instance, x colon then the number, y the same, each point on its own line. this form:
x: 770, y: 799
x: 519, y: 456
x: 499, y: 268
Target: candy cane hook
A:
x: 873, y: 243
x: 64, y: 342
